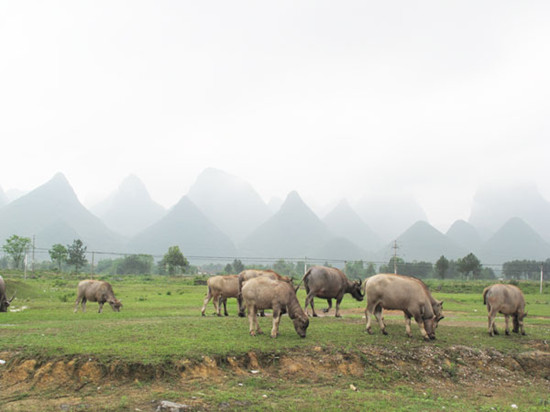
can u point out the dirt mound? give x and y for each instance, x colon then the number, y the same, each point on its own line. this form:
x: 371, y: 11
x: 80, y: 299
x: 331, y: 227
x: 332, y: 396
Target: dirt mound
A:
x: 456, y: 362
x: 428, y: 365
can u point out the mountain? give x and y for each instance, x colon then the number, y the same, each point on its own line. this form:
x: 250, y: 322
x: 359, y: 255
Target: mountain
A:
x: 229, y: 202
x: 3, y: 198
x: 275, y: 204
x: 465, y: 235
x: 494, y: 205
x: 187, y: 227
x: 423, y: 242
x: 515, y: 240
x: 53, y: 214
x: 344, y: 222
x: 129, y: 209
x: 390, y: 215
x: 294, y: 231
x: 339, y: 248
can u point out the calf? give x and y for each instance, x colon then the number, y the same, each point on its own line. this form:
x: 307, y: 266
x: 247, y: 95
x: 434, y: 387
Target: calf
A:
x: 265, y: 293
x: 508, y: 300
x: 96, y: 291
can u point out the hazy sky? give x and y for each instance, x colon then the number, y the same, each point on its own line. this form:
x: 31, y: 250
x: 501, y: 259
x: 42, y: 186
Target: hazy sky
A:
x: 330, y: 98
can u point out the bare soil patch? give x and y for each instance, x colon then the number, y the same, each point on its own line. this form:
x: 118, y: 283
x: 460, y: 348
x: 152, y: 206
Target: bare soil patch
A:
x: 85, y: 383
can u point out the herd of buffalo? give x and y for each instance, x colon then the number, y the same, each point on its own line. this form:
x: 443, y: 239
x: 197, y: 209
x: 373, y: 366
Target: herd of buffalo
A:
x: 257, y: 290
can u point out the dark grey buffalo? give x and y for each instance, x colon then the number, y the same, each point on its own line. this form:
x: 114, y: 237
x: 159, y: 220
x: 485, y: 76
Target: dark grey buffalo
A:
x: 96, y: 291
x: 508, y: 300
x: 4, y: 301
x: 329, y: 283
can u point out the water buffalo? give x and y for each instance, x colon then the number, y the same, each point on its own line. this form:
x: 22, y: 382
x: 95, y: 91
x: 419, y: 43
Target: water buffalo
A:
x: 329, y: 283
x: 4, y: 301
x: 508, y: 300
x: 411, y: 295
x: 96, y: 291
x: 265, y: 293
x: 248, y: 274
x: 219, y: 289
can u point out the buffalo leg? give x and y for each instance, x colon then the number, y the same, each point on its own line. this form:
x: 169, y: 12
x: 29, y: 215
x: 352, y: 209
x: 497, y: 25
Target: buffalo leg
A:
x: 241, y: 306
x: 276, y: 320
x: 253, y: 321
x: 76, y: 304
x: 408, y: 325
x: 380, y: 319
x: 338, y: 300
x: 420, y: 322
x: 326, y: 310
x: 218, y: 304
x: 309, y: 301
x: 205, y: 302
x: 100, y: 307
x: 491, y: 320
x: 507, y: 323
x: 225, y: 307
x: 368, y: 316
x: 515, y: 319
x: 83, y: 304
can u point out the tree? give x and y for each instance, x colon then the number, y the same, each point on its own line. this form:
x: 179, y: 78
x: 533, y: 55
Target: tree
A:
x: 173, y: 260
x: 469, y: 263
x: 238, y: 266
x: 441, y: 266
x: 58, y: 254
x: 371, y: 269
x: 135, y: 264
x: 16, y: 247
x: 77, y: 255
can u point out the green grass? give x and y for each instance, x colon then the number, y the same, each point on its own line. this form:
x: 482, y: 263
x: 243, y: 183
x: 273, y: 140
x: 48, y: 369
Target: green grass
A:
x: 160, y: 323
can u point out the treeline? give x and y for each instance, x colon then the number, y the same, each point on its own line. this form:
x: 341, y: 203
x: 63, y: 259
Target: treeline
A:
x: 72, y: 258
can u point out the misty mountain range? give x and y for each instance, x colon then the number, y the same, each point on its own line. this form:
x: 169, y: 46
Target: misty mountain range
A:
x: 223, y: 216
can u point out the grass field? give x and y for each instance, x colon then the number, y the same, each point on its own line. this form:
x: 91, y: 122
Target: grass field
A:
x: 159, y: 347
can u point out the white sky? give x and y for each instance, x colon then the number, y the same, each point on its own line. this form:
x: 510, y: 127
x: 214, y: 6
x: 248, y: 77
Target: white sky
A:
x: 330, y: 98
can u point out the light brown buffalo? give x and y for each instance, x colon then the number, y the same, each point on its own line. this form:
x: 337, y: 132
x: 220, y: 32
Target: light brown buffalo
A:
x: 411, y: 295
x: 329, y: 283
x: 508, y: 300
x: 265, y: 293
x: 4, y: 301
x: 96, y: 291
x: 219, y: 289
x: 248, y: 274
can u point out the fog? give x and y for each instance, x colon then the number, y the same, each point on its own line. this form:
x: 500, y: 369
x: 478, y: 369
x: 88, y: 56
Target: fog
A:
x: 356, y: 99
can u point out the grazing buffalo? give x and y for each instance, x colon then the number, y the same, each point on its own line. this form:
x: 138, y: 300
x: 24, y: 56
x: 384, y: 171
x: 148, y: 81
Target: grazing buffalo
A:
x: 96, y: 291
x: 329, y: 283
x: 219, y: 289
x: 4, y: 301
x: 411, y: 295
x: 248, y: 274
x: 265, y: 293
x: 508, y: 300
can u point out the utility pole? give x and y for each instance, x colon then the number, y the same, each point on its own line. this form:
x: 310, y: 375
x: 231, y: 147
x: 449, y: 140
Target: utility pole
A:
x: 33, y: 247
x: 541, y: 276
x: 92, y: 274
x: 395, y: 247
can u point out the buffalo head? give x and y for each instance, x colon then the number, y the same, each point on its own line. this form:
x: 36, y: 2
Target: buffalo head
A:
x: 437, y: 308
x: 355, y: 290
x: 300, y: 325
x: 115, y: 304
x: 5, y: 303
